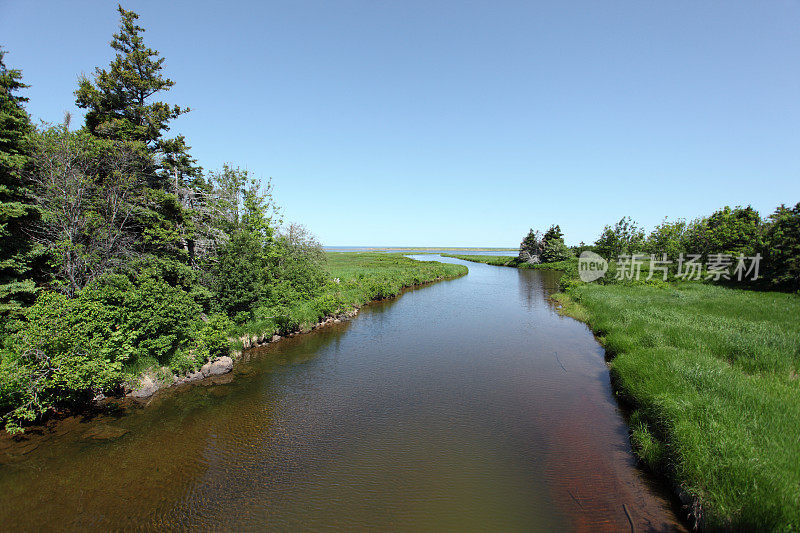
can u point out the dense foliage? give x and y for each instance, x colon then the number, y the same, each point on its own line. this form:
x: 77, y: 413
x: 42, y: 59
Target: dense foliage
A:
x: 624, y: 237
x: 119, y: 254
x: 16, y: 207
x: 734, y: 232
x: 547, y: 248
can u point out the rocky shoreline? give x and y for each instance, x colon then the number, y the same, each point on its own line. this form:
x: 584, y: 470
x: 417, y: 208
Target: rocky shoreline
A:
x: 149, y: 383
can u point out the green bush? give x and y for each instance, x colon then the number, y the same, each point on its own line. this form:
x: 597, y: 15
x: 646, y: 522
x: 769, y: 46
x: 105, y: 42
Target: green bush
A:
x: 158, y: 318
x: 47, y: 362
x: 212, y: 339
x: 241, y: 275
x: 66, y: 349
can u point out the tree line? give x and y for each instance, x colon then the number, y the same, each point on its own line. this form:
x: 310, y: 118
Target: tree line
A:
x: 119, y: 251
x: 737, y: 231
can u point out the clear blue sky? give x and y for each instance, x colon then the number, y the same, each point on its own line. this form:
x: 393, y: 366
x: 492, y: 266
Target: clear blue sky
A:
x: 461, y: 123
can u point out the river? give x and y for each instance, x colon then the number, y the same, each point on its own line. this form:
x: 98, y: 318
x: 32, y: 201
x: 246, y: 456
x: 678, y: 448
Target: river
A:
x: 467, y: 404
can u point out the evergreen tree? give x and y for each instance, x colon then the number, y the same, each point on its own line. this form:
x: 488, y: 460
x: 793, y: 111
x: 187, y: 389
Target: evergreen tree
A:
x: 553, y: 233
x: 16, y: 209
x: 530, y: 249
x: 118, y: 100
x: 120, y: 107
x: 781, y: 248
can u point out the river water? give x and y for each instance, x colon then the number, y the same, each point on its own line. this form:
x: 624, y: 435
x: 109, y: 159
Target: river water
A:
x: 463, y: 405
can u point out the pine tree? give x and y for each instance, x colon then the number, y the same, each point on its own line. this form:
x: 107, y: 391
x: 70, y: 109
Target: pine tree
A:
x: 118, y: 100
x: 530, y: 249
x: 120, y: 107
x: 553, y: 233
x: 16, y: 210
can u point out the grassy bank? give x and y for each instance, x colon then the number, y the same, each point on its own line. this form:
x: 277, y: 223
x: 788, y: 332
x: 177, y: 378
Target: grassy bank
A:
x: 570, y: 266
x: 425, y: 249
x: 349, y: 281
x: 496, y: 260
x: 362, y: 277
x: 711, y: 376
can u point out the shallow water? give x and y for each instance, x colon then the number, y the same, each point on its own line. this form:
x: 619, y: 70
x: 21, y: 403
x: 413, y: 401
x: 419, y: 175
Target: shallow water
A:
x: 466, y: 404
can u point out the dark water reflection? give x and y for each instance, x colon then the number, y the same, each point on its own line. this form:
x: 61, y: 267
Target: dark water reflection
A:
x: 467, y: 404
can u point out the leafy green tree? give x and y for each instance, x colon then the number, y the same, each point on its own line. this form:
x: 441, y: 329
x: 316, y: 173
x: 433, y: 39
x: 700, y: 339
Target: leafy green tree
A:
x: 623, y: 238
x: 17, y: 211
x: 667, y: 238
x: 241, y: 275
x: 728, y: 230
x: 300, y: 263
x: 582, y: 247
x: 243, y: 269
x: 781, y: 248
x: 90, y: 192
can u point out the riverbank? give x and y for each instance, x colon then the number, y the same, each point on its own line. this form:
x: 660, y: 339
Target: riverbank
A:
x: 710, y: 375
x: 354, y: 279
x: 357, y: 279
x: 569, y: 267
x: 395, y: 249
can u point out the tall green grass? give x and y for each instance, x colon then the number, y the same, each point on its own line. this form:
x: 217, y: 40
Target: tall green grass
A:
x: 362, y: 277
x: 712, y: 376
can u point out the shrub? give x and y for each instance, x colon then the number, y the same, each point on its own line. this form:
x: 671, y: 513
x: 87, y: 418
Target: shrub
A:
x: 623, y: 238
x: 728, y: 230
x: 48, y: 363
x: 158, y: 318
x: 212, y: 339
x: 241, y: 274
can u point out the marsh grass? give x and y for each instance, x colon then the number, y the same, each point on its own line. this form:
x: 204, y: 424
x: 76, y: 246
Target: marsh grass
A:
x: 496, y: 260
x: 362, y: 277
x: 712, y: 376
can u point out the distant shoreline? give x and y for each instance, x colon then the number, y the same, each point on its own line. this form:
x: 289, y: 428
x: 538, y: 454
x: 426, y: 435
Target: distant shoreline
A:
x: 414, y: 248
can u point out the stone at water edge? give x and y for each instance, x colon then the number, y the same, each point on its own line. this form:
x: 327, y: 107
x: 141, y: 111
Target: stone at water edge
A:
x: 147, y: 387
x: 223, y: 365
x: 193, y: 376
